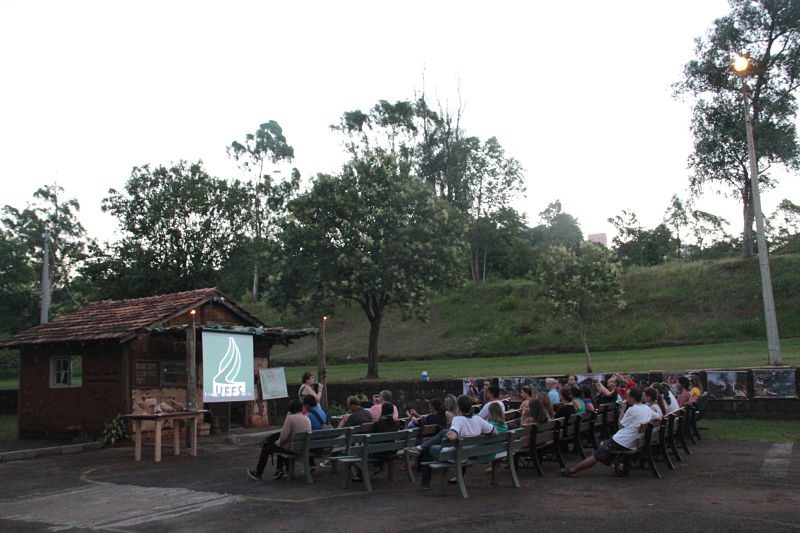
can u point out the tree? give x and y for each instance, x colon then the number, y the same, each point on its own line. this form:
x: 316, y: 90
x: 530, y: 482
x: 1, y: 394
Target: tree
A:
x: 784, y: 227
x: 268, y: 193
x: 676, y: 217
x: 475, y: 177
x: 581, y: 284
x: 373, y: 235
x: 769, y: 32
x: 179, y: 224
x: 67, y: 239
x: 635, y: 245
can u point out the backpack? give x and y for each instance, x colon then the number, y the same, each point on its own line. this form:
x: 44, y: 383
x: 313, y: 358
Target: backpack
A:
x: 324, y: 424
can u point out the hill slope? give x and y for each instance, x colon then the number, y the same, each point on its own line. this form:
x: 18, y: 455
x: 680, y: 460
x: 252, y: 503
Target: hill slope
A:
x: 673, y: 304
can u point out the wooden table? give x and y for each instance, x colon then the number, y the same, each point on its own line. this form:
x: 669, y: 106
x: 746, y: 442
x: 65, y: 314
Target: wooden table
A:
x: 191, y: 429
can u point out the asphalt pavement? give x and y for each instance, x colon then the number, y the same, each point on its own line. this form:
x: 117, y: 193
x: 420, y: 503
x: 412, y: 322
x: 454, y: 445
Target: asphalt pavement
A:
x: 723, y: 486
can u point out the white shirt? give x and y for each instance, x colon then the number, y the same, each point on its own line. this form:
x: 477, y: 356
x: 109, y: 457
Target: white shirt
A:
x: 672, y: 406
x: 470, y: 426
x: 485, y: 409
x: 635, y: 416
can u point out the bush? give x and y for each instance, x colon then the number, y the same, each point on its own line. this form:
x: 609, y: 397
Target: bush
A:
x: 9, y: 364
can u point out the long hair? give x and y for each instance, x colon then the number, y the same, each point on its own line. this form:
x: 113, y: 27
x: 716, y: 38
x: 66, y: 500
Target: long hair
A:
x: 537, y: 412
x: 496, y: 414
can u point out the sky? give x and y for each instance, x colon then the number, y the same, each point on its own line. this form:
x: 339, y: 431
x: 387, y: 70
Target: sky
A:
x: 579, y: 92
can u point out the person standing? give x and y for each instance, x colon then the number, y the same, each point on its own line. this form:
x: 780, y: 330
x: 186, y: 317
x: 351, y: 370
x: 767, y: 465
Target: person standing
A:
x: 552, y: 390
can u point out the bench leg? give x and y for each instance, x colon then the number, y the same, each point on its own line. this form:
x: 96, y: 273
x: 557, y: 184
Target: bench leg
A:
x: 538, y: 461
x: 513, y: 469
x: 409, y: 467
x: 494, y: 473
x: 442, y: 481
x: 365, y: 475
x: 158, y: 440
x: 306, y: 458
x: 460, y: 477
x: 176, y: 437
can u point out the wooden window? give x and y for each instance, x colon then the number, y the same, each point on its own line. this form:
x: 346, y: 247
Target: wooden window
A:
x: 146, y: 373
x: 66, y: 371
x: 173, y: 373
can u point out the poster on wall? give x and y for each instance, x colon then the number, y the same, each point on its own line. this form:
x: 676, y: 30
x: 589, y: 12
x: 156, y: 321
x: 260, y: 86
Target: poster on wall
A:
x: 728, y: 384
x: 227, y: 367
x: 273, y: 383
x: 774, y: 383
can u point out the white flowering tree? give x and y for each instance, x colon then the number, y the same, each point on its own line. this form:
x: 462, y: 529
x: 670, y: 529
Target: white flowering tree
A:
x: 581, y: 283
x: 373, y: 235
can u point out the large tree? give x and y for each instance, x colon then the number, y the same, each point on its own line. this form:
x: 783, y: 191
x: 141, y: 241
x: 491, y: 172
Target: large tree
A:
x: 374, y: 235
x: 269, y: 190
x: 179, y: 226
x: 581, y: 284
x: 769, y: 32
x: 50, y: 213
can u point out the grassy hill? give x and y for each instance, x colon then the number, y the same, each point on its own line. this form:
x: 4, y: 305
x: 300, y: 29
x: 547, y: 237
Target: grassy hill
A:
x: 669, y: 305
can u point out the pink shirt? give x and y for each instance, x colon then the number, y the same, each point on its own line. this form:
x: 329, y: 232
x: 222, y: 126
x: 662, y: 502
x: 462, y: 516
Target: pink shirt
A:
x: 375, y: 411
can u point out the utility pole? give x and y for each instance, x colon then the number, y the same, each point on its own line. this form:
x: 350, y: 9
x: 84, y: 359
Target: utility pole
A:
x: 46, y: 290
x: 191, y: 373
x: 741, y: 66
x: 322, y: 366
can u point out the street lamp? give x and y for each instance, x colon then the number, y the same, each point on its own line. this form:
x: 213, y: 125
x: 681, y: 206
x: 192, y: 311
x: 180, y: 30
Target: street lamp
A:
x: 741, y: 66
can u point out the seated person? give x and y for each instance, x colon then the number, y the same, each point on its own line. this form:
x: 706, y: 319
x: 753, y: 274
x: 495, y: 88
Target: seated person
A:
x: 577, y: 400
x: 384, y: 396
x: 544, y: 398
x: 654, y: 401
x: 607, y: 393
x: 314, y: 412
x: 493, y: 397
x: 385, y: 424
x: 634, y: 414
x: 358, y: 415
x: 467, y: 425
x: 586, y: 396
x: 296, y: 422
x: 436, y: 417
x: 567, y: 408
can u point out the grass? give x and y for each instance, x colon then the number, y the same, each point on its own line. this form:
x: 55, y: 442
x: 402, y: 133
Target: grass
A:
x: 753, y: 429
x: 706, y: 356
x: 8, y: 426
x: 9, y: 384
x: 676, y: 304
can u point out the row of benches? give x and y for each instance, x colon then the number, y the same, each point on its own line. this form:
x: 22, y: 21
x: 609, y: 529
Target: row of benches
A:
x: 519, y: 448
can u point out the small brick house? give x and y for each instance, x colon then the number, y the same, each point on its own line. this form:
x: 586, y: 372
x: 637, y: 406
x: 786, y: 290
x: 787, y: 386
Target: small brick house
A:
x: 81, y: 370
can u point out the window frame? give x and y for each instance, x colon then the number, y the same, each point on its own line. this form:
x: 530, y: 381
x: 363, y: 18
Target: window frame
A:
x: 57, y: 372
x: 157, y: 374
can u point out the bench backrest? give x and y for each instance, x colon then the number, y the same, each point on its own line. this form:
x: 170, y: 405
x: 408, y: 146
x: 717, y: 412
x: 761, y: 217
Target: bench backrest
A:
x: 548, y: 432
x: 483, y: 445
x: 586, y: 422
x: 511, y: 414
x: 322, y: 438
x: 570, y: 427
x: 391, y: 441
x: 429, y: 430
x: 365, y: 428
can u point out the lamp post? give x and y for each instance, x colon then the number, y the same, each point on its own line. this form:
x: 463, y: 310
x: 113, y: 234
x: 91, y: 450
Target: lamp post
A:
x: 741, y: 65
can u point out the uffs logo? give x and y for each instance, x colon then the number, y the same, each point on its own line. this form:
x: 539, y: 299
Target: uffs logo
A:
x: 225, y: 381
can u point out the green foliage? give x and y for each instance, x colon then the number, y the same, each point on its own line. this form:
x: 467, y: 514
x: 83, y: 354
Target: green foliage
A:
x: 335, y: 409
x: 115, y: 431
x: 635, y: 245
x: 373, y: 235
x: 769, y: 32
x: 9, y: 364
x: 180, y: 226
x: 267, y: 196
x: 21, y: 256
x: 581, y: 284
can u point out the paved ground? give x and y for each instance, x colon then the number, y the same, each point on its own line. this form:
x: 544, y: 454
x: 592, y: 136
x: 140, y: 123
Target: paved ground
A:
x: 724, y: 486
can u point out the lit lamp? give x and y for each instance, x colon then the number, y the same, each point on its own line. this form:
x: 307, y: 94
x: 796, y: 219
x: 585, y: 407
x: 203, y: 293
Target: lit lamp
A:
x: 741, y: 66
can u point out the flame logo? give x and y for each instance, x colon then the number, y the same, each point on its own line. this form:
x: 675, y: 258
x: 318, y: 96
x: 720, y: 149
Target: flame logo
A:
x: 225, y: 383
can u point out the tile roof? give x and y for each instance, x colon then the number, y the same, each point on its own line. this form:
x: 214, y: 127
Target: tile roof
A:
x: 120, y: 319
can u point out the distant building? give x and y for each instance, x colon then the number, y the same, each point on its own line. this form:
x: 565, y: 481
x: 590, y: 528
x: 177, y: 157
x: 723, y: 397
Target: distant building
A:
x: 599, y: 238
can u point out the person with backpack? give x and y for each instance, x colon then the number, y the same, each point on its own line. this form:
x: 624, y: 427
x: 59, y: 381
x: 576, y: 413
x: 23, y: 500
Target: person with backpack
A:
x: 315, y: 414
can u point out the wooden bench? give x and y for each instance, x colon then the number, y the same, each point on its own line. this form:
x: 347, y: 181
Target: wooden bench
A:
x: 538, y: 439
x: 484, y: 449
x: 306, y: 445
x: 365, y: 446
x: 643, y: 452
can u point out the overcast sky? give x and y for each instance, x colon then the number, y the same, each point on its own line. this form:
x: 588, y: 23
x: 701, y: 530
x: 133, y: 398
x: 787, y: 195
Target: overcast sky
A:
x: 579, y: 92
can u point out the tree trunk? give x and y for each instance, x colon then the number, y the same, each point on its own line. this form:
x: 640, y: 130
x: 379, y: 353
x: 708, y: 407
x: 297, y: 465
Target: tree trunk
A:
x: 749, y: 216
x: 255, y: 282
x: 372, y: 353
x: 484, y: 265
x: 585, y: 341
